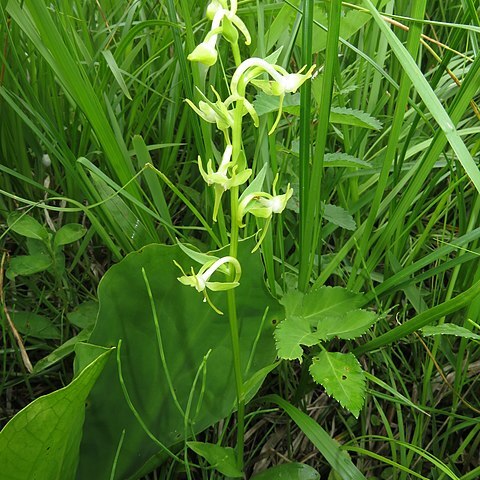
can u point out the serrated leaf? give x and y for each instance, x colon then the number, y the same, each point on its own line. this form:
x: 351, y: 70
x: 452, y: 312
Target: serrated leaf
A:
x: 342, y: 377
x: 356, y: 118
x: 221, y: 458
x: 347, y: 326
x: 321, y: 314
x: 449, y: 329
x: 344, y: 160
x: 290, y: 335
x: 68, y: 234
x: 338, y: 216
x: 34, y: 325
x: 28, y: 265
x: 324, y: 301
x: 27, y: 226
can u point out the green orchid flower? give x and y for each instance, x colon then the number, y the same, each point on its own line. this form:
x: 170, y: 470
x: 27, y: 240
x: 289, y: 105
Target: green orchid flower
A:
x: 224, y: 178
x: 201, y: 280
x: 282, y: 83
x: 264, y: 205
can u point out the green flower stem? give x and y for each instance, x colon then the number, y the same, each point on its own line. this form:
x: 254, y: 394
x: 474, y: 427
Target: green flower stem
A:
x: 231, y: 299
x: 234, y: 332
x: 236, y: 54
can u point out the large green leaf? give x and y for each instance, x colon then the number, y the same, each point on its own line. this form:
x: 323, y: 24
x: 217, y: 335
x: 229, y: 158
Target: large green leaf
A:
x: 342, y: 377
x: 189, y: 329
x: 42, y: 441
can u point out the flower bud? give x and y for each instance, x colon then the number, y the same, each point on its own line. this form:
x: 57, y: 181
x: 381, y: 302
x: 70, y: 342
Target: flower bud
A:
x: 205, y: 53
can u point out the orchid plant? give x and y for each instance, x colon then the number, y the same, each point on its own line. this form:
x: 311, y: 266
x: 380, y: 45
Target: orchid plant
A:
x: 233, y: 171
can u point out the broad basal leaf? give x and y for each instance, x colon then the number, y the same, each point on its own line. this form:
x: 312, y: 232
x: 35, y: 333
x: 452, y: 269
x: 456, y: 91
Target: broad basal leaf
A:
x: 342, y: 377
x: 190, y: 330
x: 42, y: 441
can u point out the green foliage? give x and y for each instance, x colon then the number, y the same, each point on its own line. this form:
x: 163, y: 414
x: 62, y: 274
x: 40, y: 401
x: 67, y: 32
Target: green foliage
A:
x: 449, y: 329
x: 322, y: 314
x: 42, y: 441
x: 288, y: 471
x: 200, y: 372
x: 34, y: 325
x: 220, y: 458
x: 342, y: 376
x: 338, y: 459
x: 44, y: 246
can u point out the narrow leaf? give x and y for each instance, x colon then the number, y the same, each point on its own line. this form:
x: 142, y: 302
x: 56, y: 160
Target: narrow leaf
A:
x: 343, y: 160
x: 112, y: 64
x: 449, y: 329
x: 338, y: 458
